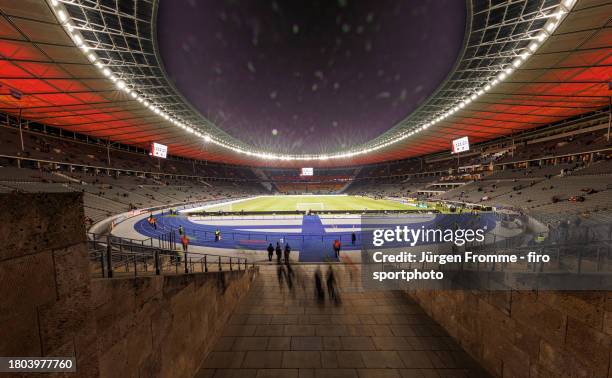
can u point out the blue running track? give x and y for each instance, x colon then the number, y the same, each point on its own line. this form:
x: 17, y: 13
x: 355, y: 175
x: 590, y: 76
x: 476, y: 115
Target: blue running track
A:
x: 314, y: 243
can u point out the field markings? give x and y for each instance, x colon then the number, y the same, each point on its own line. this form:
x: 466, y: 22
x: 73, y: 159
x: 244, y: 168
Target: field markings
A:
x: 270, y: 230
x: 248, y: 222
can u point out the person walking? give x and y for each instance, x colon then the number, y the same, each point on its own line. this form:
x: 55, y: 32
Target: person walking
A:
x: 331, y: 284
x: 217, y: 235
x: 337, y: 246
x: 287, y: 252
x: 270, y: 252
x: 181, y: 230
x: 185, y: 242
x: 279, y: 253
x: 320, y: 294
x: 353, y: 238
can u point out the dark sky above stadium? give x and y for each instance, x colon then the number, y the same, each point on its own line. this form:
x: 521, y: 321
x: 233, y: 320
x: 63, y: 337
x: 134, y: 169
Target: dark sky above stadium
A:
x: 308, y: 76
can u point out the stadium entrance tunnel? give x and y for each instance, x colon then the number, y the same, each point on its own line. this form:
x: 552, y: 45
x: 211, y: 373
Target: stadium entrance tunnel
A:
x: 315, y: 319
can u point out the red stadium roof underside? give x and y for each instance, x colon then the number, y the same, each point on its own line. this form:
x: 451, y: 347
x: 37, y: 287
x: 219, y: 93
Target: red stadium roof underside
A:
x: 567, y: 76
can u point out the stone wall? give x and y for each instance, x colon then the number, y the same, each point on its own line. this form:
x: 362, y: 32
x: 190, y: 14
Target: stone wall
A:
x: 164, y: 325
x: 44, y: 279
x: 147, y: 326
x: 528, y: 333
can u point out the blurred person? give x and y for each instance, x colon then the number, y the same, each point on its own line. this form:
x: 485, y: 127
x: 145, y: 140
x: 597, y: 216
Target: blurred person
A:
x: 270, y: 252
x: 279, y: 253
x: 331, y: 285
x: 319, y: 284
x: 287, y: 252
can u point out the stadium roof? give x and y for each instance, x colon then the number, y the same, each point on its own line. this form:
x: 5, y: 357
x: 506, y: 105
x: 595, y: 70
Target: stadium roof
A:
x: 92, y: 67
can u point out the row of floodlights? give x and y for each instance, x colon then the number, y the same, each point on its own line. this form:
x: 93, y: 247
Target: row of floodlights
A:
x: 550, y: 26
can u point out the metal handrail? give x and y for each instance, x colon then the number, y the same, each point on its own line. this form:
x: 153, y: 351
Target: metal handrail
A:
x: 111, y: 257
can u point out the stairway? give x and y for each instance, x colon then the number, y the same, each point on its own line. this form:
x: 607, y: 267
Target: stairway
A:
x: 281, y: 329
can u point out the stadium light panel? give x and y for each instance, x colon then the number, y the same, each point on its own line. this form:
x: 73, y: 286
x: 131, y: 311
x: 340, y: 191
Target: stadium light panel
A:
x: 541, y: 36
x: 62, y: 15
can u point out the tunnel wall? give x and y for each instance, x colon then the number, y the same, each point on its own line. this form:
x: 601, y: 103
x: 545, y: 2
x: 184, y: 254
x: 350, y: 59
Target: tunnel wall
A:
x: 145, y: 326
x: 165, y: 325
x: 528, y: 333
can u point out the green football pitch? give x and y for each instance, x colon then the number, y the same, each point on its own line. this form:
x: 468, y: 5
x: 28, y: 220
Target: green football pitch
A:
x: 314, y: 203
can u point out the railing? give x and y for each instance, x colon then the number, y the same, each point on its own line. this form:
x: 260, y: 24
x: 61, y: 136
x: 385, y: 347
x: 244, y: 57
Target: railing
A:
x: 200, y: 235
x: 111, y: 257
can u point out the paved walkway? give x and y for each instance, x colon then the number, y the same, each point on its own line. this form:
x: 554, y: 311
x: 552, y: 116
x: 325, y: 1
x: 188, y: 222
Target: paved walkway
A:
x: 282, y: 329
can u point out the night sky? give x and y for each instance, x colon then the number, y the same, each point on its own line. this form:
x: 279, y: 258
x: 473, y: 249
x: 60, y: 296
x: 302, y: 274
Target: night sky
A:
x: 308, y: 76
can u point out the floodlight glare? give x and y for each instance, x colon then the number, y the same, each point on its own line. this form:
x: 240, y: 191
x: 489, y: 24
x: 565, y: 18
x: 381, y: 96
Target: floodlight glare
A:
x: 62, y: 15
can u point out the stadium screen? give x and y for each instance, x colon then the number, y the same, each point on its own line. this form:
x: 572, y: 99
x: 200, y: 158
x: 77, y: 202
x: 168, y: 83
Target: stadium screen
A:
x: 307, y: 172
x: 159, y: 150
x: 461, y: 145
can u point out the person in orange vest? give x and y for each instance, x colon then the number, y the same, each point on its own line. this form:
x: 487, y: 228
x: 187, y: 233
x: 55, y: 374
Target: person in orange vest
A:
x: 185, y: 242
x: 337, y: 246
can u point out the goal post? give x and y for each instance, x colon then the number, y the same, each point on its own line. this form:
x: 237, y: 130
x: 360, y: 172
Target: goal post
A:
x: 305, y: 206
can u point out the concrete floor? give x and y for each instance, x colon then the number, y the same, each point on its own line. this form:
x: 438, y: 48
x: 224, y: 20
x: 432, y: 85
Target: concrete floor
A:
x: 278, y: 331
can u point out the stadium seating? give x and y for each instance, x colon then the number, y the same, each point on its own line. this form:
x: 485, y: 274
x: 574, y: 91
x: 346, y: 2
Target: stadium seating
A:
x: 105, y: 196
x: 53, y: 163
